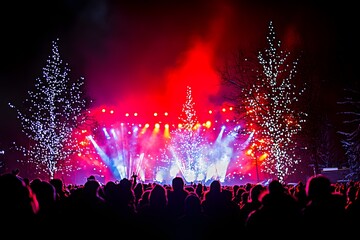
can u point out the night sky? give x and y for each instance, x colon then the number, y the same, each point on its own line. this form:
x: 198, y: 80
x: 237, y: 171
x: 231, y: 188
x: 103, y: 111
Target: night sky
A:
x: 142, y: 54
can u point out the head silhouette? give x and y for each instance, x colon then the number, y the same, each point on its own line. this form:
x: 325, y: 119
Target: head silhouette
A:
x: 178, y: 183
x: 318, y: 186
x: 215, y: 186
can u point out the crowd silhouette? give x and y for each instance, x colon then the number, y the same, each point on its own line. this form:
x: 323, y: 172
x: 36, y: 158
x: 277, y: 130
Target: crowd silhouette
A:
x: 177, y: 210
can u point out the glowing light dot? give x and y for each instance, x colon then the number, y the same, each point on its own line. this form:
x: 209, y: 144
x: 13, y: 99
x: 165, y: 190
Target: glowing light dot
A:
x: 147, y: 125
x: 157, y: 125
x: 210, y: 111
x: 155, y: 114
x: 111, y: 111
x: 166, y: 113
x: 103, y: 110
x: 135, y: 114
x: 126, y: 114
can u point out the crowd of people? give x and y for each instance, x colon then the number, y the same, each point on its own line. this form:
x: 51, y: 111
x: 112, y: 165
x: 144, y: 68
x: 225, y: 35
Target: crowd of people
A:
x: 177, y: 210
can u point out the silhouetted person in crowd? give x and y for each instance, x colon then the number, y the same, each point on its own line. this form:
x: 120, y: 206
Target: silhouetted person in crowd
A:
x: 237, y: 195
x: 49, y: 213
x: 120, y: 198
x: 61, y: 191
x: 248, y: 186
x: 134, y: 179
x: 245, y: 198
x: 154, y: 217
x: 18, y: 206
x: 193, y: 224
x: 87, y: 208
x: 234, y: 189
x: 176, y: 197
x: 325, y: 211
x: 231, y: 210
x: 215, y: 206
x: 279, y: 210
x: 254, y: 203
x: 199, y: 190
x: 126, y: 198
x: 144, y: 200
x: 352, y: 209
x: 300, y: 194
x: 138, y: 191
x: 213, y: 203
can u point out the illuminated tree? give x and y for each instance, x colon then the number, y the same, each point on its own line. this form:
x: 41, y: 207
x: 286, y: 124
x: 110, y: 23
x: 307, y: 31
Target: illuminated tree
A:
x: 351, y: 133
x: 188, y: 118
x: 267, y: 103
x: 187, y: 144
x: 52, y: 115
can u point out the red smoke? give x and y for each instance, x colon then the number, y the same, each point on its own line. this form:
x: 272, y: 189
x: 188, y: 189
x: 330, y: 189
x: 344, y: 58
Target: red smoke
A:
x: 148, y: 58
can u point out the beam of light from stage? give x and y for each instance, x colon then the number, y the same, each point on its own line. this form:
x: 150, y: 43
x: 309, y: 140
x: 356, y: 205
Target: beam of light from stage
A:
x: 248, y: 140
x: 138, y: 169
x: 167, y: 131
x: 132, y: 159
x: 219, y: 137
x: 221, y: 154
x: 235, y: 133
x: 135, y: 130
x: 106, y: 133
x: 113, y: 133
x: 103, y: 156
x: 242, y: 160
x: 166, y: 174
x: 143, y: 130
x: 231, y: 136
x: 99, y: 151
x: 179, y: 166
x: 189, y: 149
x: 152, y: 139
x: 156, y: 128
x: 118, y: 160
x: 123, y: 150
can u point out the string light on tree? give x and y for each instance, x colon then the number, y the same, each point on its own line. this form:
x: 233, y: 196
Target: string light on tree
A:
x: 266, y: 102
x: 52, y: 115
x: 271, y: 110
x: 187, y: 145
x: 188, y: 117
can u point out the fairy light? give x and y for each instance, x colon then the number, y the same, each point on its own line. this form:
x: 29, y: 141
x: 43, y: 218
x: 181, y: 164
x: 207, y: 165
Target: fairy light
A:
x: 268, y: 104
x: 188, y: 116
x: 50, y: 116
x: 187, y: 145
